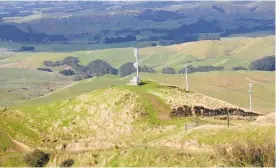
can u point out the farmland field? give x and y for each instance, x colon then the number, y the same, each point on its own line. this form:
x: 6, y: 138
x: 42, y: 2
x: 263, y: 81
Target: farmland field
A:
x: 227, y: 53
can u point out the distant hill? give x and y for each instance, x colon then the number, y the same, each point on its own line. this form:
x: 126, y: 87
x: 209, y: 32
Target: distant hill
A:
x: 12, y: 33
x: 174, y: 22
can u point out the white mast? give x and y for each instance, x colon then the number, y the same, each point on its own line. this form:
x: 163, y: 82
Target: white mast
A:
x: 136, y: 80
x: 136, y: 54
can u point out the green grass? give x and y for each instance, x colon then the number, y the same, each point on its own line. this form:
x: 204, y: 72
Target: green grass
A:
x: 75, y: 89
x: 6, y: 142
x: 222, y: 135
x: 228, y: 86
x: 227, y: 53
x: 139, y: 157
x: 107, y: 115
x: 13, y: 159
x: 20, y: 84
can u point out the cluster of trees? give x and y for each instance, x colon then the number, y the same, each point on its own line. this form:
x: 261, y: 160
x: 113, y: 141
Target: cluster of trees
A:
x: 27, y: 48
x: 100, y: 67
x: 191, y: 69
x: 94, y: 68
x: 263, y: 64
x: 128, y: 69
x: 119, y: 39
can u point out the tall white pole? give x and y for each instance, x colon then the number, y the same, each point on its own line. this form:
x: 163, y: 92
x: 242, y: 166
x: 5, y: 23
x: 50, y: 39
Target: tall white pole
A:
x: 250, y: 97
x: 137, y: 69
x: 187, y: 85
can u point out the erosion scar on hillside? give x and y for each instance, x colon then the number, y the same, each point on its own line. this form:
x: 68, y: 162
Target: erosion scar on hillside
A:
x: 162, y: 110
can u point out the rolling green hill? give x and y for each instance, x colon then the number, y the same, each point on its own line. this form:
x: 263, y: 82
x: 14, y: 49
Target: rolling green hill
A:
x: 73, y: 89
x: 22, y: 84
x: 227, y: 53
x: 228, y: 86
x: 120, y: 125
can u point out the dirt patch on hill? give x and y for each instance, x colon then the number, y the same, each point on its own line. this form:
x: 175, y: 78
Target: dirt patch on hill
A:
x: 163, y: 111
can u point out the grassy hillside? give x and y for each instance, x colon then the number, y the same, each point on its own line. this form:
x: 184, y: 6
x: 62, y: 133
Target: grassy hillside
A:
x: 120, y: 126
x: 74, y: 89
x: 229, y: 86
x: 227, y: 53
x: 22, y: 84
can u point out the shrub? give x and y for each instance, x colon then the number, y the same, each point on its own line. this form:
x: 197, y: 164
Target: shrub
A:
x: 263, y: 64
x: 37, y: 158
x: 67, y: 163
x: 53, y: 64
x: 67, y: 72
x: 44, y: 69
x: 248, y: 155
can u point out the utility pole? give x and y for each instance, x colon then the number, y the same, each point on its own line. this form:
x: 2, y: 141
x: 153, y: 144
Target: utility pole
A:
x: 187, y: 85
x: 250, y: 97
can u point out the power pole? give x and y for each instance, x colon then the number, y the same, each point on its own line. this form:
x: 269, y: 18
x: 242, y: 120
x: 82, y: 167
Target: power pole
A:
x: 187, y: 85
x: 250, y: 97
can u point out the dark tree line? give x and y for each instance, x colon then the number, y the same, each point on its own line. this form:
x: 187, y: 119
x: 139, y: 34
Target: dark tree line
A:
x: 119, y: 39
x: 238, y: 68
x: 191, y: 69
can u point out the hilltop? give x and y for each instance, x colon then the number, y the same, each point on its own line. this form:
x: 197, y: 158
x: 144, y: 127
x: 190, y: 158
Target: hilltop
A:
x: 121, y: 117
x: 226, y: 53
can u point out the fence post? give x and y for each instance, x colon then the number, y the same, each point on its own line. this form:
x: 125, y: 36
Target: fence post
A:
x: 228, y: 118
